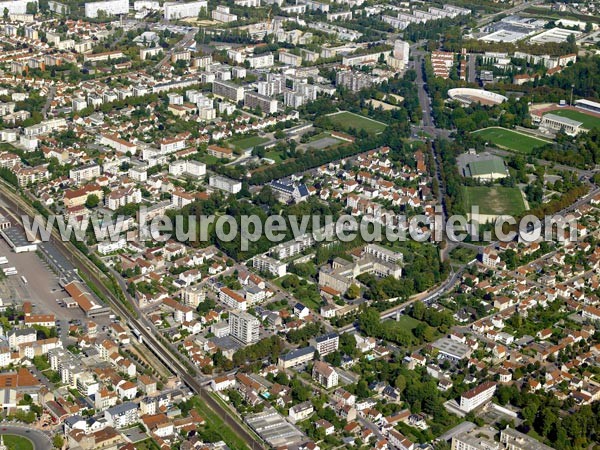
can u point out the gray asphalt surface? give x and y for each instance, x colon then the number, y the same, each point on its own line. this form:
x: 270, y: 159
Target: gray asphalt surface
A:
x: 39, y: 440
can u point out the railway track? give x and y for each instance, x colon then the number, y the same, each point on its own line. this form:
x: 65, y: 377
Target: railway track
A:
x: 99, y: 279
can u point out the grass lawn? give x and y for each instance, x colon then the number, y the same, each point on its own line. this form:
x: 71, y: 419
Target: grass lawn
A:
x: 511, y: 140
x: 13, y: 442
x: 588, y: 121
x: 494, y: 200
x: 407, y: 322
x: 322, y: 135
x: 347, y: 119
x: 463, y: 255
x: 208, y: 159
x: 248, y: 142
x: 147, y: 444
x: 227, y: 434
x: 274, y: 155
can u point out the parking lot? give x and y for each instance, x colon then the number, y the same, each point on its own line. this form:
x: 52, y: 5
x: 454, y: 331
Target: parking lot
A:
x: 42, y: 288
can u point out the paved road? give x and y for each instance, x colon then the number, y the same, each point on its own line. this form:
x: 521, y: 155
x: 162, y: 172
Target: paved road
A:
x: 49, y: 98
x: 40, y: 440
x: 471, y: 63
x: 184, y: 42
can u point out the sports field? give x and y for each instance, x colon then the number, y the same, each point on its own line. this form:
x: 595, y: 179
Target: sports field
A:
x: 248, y: 142
x: 511, y: 140
x: 347, y: 119
x: 494, y: 200
x: 588, y: 120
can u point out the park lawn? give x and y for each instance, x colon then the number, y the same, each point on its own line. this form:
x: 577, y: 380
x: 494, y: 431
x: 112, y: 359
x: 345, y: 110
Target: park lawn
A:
x: 410, y: 323
x: 588, y: 120
x: 274, y: 155
x: 511, y: 140
x: 347, y: 119
x: 494, y: 200
x: 209, y: 159
x: 13, y: 442
x: 248, y: 142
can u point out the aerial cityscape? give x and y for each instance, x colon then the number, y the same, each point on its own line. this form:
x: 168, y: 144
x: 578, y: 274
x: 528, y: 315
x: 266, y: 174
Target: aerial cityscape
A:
x: 300, y: 225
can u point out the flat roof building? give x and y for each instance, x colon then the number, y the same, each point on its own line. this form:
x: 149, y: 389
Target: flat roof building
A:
x: 558, y: 123
x: 515, y: 440
x: 296, y: 357
x: 16, y: 238
x: 451, y: 349
x: 273, y: 428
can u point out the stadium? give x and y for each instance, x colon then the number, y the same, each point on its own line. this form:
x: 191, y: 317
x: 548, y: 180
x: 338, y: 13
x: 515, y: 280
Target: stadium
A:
x: 469, y: 95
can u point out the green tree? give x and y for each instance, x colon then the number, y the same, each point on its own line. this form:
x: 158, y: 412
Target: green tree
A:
x: 92, y: 201
x: 31, y: 8
x: 400, y: 383
x: 58, y: 441
x: 353, y: 292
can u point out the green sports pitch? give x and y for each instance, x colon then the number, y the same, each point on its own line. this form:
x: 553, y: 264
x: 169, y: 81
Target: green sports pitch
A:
x: 511, y: 140
x: 587, y: 120
x: 247, y: 142
x: 346, y: 119
x: 494, y: 200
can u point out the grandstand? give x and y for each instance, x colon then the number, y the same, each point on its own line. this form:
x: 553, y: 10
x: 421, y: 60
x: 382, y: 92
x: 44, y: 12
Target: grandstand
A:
x: 588, y: 105
x: 469, y: 95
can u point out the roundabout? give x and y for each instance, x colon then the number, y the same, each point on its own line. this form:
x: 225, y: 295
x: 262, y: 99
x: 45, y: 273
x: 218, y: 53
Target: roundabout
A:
x: 18, y: 437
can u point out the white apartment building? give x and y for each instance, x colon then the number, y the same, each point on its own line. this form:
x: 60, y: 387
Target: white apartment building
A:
x: 171, y: 145
x: 192, y: 296
x: 266, y: 104
x: 16, y: 6
x: 325, y: 375
x: 140, y: 5
x: 261, y: 61
x: 86, y: 172
x: 222, y: 14
x: 327, y: 343
x: 21, y: 336
x: 384, y: 254
x: 122, y: 197
x: 247, y: 3
x: 177, y: 10
x: 244, y: 327
x: 225, y: 184
x: 118, y: 144
x: 401, y: 51
x: 267, y: 264
x: 110, y: 7
x: 301, y: 411
x: 47, y: 126
x: 232, y: 299
x: 477, y: 396
x: 139, y: 173
x: 194, y: 169
x: 228, y: 90
x: 122, y: 415
x: 290, y: 59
